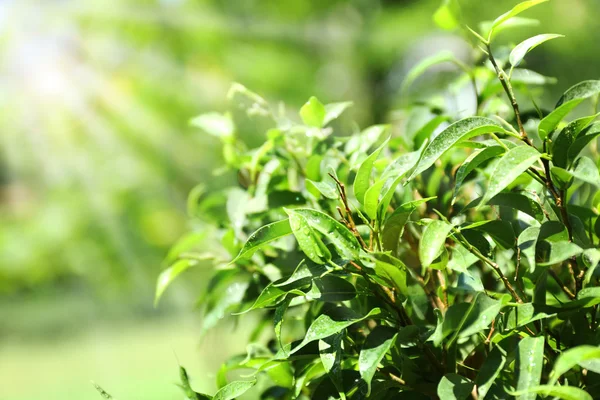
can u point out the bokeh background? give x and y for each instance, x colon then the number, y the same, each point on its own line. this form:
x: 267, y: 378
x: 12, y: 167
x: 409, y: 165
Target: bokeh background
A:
x: 97, y: 157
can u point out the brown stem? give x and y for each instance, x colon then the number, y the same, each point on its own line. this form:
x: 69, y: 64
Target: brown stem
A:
x: 351, y: 224
x: 564, y: 287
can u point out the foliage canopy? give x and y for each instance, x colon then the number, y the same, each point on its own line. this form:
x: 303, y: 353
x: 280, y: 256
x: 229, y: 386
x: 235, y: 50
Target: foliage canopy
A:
x: 456, y: 260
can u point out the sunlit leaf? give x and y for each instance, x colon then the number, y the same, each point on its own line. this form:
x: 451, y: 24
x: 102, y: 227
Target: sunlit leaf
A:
x: 569, y: 100
x: 516, y: 10
x: 449, y: 137
x: 219, y: 125
x: 512, y: 164
x: 454, y: 387
x: 234, y: 389
x: 530, y: 362
x: 519, y: 52
x: 474, y: 161
x: 313, y: 113
x: 432, y: 241
x: 362, y: 181
x: 263, y: 236
x: 334, y: 110
x: 560, y: 392
x: 308, y: 240
x: 394, y: 225
x: 586, y: 356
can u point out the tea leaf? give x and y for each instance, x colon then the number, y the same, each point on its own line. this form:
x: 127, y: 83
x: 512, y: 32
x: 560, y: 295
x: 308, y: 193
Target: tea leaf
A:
x: 519, y: 52
x: 376, y: 346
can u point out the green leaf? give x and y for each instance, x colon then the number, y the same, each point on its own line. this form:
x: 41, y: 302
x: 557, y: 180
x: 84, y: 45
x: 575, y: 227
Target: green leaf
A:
x: 362, y: 181
x: 269, y: 296
x: 334, y: 110
x: 427, y: 130
x: 372, y: 198
x: 566, y: 137
x: 330, y: 352
x: 514, y: 22
x: 530, y: 361
x: 214, y: 124
x: 519, y: 52
x: 457, y: 132
x: 393, y: 271
x: 580, y: 355
x: 262, y: 236
x: 527, y: 244
x: 342, y: 239
x: 560, y: 392
x: 474, y: 161
x: 569, y: 100
x: 432, y: 241
x: 187, y: 388
x: 481, y: 315
x: 454, y: 387
x: 278, y: 318
x: 331, y: 288
x: 394, y: 225
x: 586, y: 170
x: 556, y: 252
x: 447, y: 16
x: 424, y: 65
x: 491, y: 368
x: 313, y: 113
x: 591, y: 258
x: 325, y: 325
x: 587, y: 136
x: 326, y: 187
x: 524, y: 314
x: 520, y: 202
x: 304, y: 273
x: 376, y: 346
x: 168, y: 275
x: 234, y: 389
x: 561, y: 178
x: 516, y: 10
x: 308, y: 240
x: 516, y: 161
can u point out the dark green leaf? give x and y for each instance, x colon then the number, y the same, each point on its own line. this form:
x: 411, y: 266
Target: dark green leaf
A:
x: 491, y: 368
x: 330, y: 352
x: 566, y: 138
x: 394, y: 225
x: 555, y: 252
x: 586, y: 136
x: 560, y: 392
x: 473, y: 162
x: 454, y: 387
x: 332, y: 288
x: 376, y: 346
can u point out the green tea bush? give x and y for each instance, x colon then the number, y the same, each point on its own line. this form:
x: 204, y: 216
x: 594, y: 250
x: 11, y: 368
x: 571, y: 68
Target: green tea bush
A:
x: 452, y: 257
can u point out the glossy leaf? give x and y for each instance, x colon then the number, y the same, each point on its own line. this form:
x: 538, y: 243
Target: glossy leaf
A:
x: 263, y: 236
x: 474, y: 161
x: 278, y: 319
x: 556, y: 252
x: 376, y: 346
x: 394, y: 225
x: 530, y: 361
x: 325, y: 325
x: 330, y: 352
x: 432, y: 241
x: 491, y: 368
x: 519, y: 52
x: 582, y: 140
x: 332, y: 288
x: 565, y: 139
x: 569, y: 100
x: 313, y: 113
x: 234, y: 389
x: 449, y: 137
x: 362, y: 181
x: 308, y: 240
x: 393, y: 271
x: 512, y: 164
x: 454, y: 387
x: 342, y: 239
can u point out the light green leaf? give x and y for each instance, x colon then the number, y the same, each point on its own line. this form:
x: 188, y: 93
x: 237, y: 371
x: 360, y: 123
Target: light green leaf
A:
x: 308, y: 240
x: 569, y: 100
x: 330, y: 352
x: 474, y: 161
x: 481, y: 315
x: 362, y: 182
x: 168, y: 275
x: 234, y: 389
x: 447, y: 16
x: 524, y: 314
x: 215, y: 124
x: 432, y: 241
x: 376, y: 346
x: 342, y: 239
x: 326, y: 325
x: 586, y: 170
x: 313, y: 113
x: 424, y: 65
x: 585, y: 354
x: 516, y: 10
x: 326, y: 187
x: 519, y: 52
x: 334, y: 110
x: 457, y: 132
x: 561, y: 178
x: 530, y: 361
x: 556, y: 252
x: 372, y: 198
x: 512, y: 164
x: 262, y: 236
x: 514, y: 22
x: 527, y: 243
x: 270, y: 296
x: 560, y: 392
x: 454, y: 387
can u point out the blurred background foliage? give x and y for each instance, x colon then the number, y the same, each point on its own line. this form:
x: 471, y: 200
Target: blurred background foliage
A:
x: 97, y: 155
